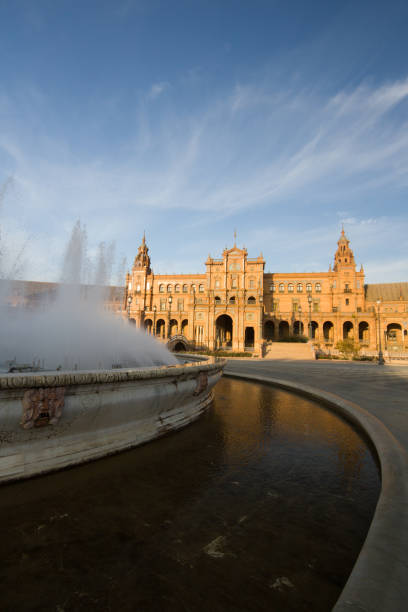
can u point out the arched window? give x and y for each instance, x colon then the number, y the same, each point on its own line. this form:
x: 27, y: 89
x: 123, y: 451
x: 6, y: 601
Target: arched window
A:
x: 217, y: 283
x: 161, y: 288
x: 281, y: 288
x: 185, y: 289
x: 201, y: 288
x: 299, y: 288
x: 193, y: 288
x: 309, y: 287
x: 169, y: 288
x: 232, y: 300
x: 252, y: 283
x: 251, y: 300
x: 217, y: 299
x: 272, y: 287
x: 177, y: 289
x: 290, y: 288
x: 318, y: 287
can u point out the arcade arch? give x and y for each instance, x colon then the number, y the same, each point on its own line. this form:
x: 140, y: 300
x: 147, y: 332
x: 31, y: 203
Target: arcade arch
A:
x: 223, y: 331
x: 394, y: 334
x: 173, y: 327
x: 184, y: 327
x: 283, y: 329
x: 348, y: 330
x: 328, y: 331
x: 249, y: 337
x: 363, y: 332
x: 148, y: 323
x: 269, y: 330
x: 161, y: 328
x: 298, y: 328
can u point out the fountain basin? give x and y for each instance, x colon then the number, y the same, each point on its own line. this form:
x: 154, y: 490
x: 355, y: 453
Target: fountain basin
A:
x: 53, y: 420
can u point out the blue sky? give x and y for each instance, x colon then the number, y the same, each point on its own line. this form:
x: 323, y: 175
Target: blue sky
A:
x: 187, y: 119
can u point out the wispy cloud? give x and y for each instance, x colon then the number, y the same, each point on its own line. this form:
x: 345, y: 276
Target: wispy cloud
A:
x: 249, y: 149
x: 157, y: 89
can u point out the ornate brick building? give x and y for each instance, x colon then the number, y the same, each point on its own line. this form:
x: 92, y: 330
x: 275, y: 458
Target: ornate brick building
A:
x: 236, y: 305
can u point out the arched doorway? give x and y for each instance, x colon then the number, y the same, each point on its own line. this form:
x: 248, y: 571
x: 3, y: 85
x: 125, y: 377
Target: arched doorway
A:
x: 179, y: 346
x: 348, y: 330
x: 328, y: 331
x: 249, y: 337
x: 173, y: 327
x: 269, y: 330
x: 363, y: 332
x: 160, y: 328
x: 148, y: 325
x: 223, y: 332
x: 283, y: 330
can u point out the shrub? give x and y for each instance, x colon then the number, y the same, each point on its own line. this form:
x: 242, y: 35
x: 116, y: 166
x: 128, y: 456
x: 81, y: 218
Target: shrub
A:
x: 219, y: 353
x: 292, y: 339
x: 348, y: 348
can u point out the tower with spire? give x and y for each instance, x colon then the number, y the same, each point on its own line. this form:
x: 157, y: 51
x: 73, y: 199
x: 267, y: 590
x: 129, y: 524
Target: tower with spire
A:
x: 139, y: 284
x: 344, y: 256
x: 347, y: 283
x: 142, y: 259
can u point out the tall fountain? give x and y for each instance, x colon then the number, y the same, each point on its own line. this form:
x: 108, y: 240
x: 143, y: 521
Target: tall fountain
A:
x: 79, y: 383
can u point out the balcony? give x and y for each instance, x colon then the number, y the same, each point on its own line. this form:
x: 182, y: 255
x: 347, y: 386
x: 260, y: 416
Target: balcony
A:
x: 348, y: 290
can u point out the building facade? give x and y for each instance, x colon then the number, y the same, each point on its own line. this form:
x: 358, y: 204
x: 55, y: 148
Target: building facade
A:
x: 235, y: 305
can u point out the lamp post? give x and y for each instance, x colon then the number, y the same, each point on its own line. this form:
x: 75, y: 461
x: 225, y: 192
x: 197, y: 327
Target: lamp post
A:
x: 154, y: 319
x: 168, y: 328
x: 309, y: 301
x: 193, y: 287
x: 129, y: 303
x: 144, y: 317
x: 380, y: 354
x: 300, y: 319
x: 261, y: 325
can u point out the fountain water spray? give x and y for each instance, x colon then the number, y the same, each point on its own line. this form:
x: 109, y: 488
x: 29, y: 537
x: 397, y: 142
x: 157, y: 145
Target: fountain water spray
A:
x: 73, y: 330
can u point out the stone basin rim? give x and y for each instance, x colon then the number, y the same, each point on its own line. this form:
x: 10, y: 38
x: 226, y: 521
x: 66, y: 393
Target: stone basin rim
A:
x: 378, y: 580
x: 86, y: 377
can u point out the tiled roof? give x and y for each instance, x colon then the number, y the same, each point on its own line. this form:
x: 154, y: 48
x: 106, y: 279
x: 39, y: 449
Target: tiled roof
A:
x: 36, y: 290
x: 390, y: 292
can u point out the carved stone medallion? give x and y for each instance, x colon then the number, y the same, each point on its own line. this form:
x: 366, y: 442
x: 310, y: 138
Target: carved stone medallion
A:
x: 42, y: 407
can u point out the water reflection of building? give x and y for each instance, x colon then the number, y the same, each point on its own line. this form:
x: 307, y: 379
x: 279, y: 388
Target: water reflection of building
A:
x: 236, y: 305
x: 259, y: 419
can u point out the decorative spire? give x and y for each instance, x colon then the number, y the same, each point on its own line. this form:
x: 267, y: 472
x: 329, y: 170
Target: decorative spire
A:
x: 142, y: 259
x: 344, y: 255
x: 235, y: 237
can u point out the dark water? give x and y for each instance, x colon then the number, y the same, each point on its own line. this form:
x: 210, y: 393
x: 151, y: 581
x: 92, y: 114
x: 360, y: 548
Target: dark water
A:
x: 263, y: 504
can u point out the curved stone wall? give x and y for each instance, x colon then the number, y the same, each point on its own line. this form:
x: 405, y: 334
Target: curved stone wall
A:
x: 53, y: 420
